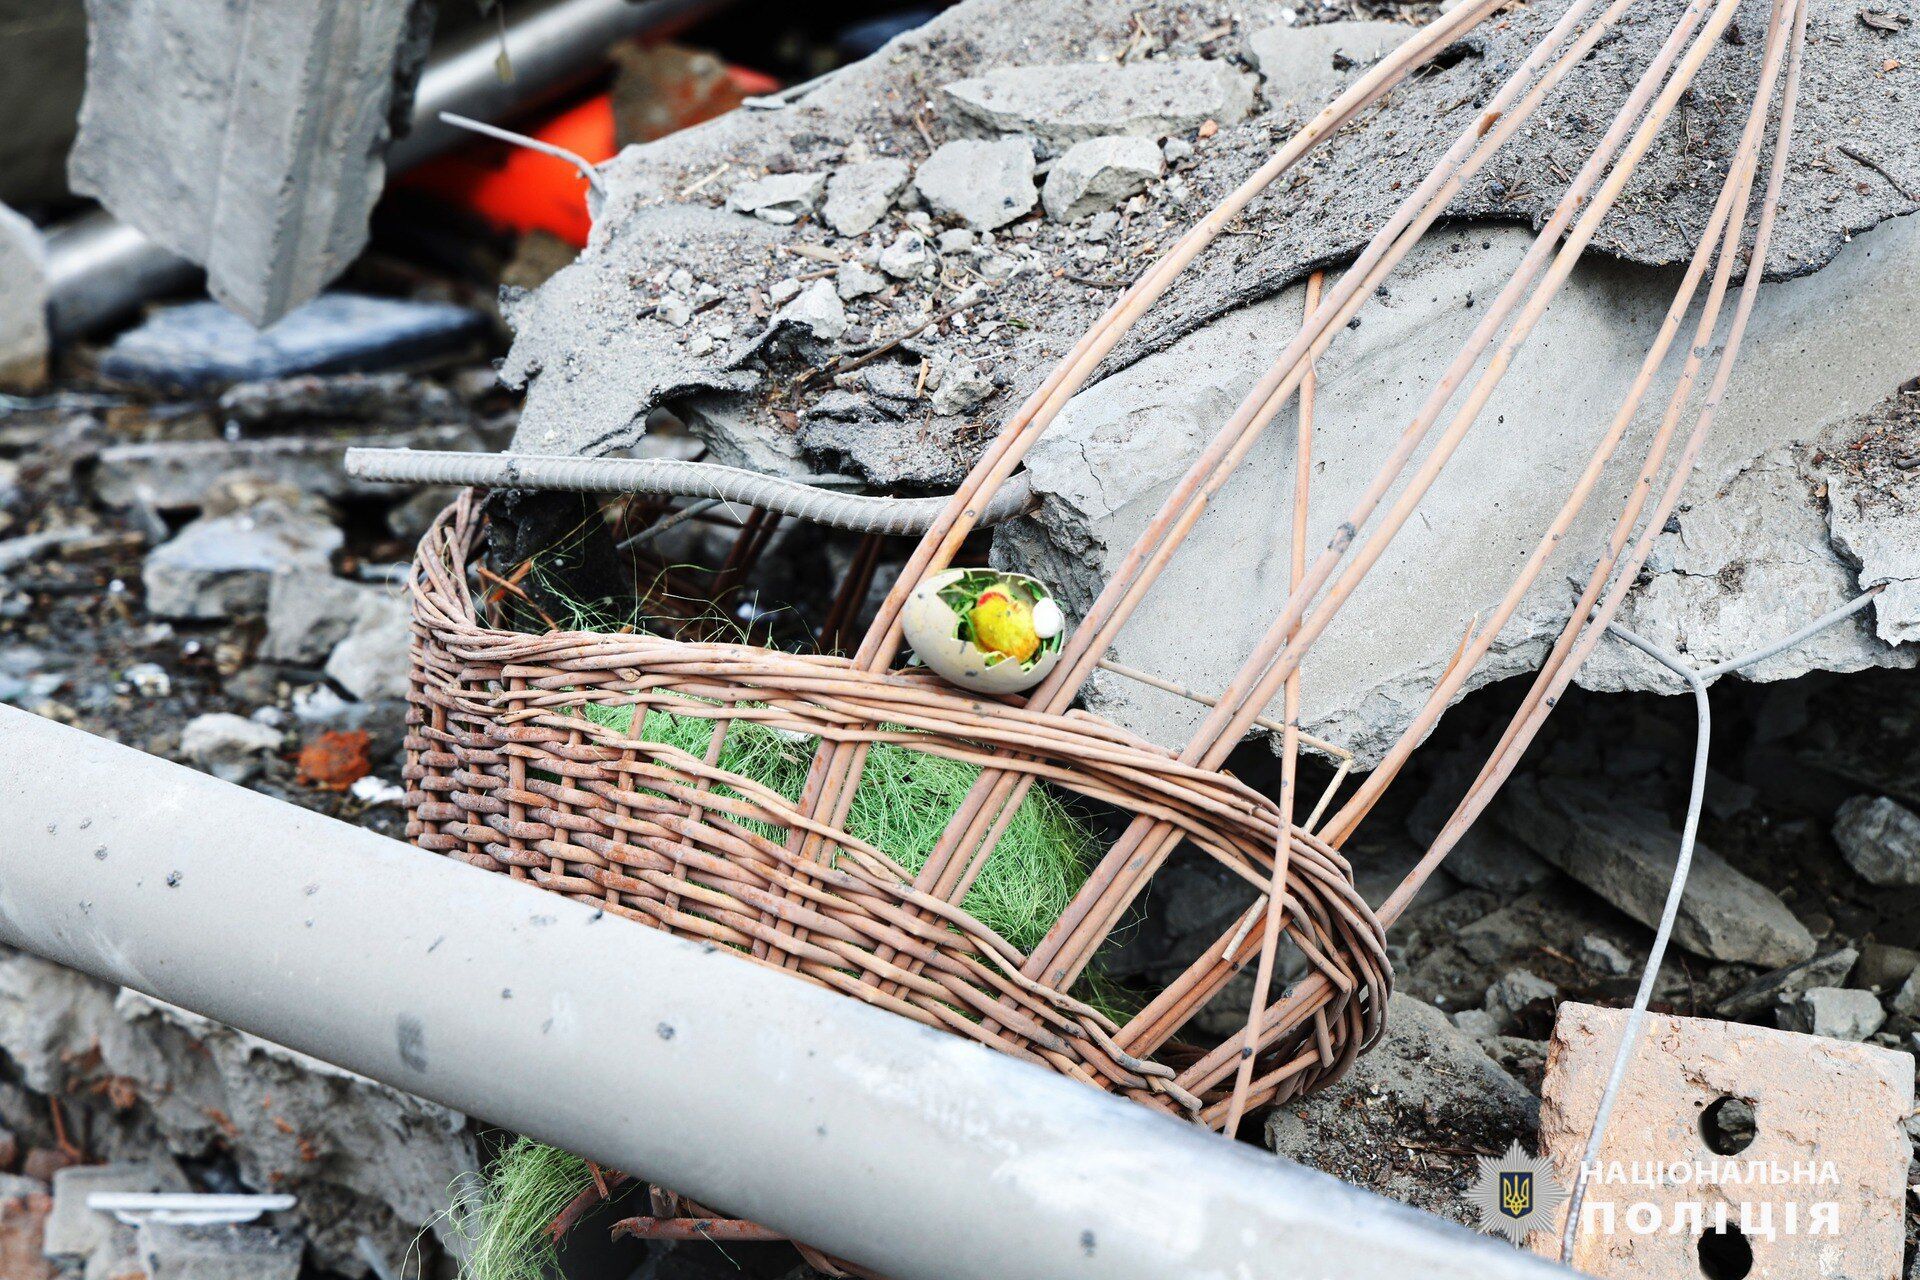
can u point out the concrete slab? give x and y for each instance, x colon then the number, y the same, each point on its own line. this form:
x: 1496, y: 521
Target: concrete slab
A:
x: 248, y: 138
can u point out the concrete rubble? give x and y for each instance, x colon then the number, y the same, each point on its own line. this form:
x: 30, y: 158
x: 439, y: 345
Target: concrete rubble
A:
x: 1880, y: 839
x: 362, y: 1159
x: 1626, y: 856
x: 1755, y: 546
x: 244, y: 177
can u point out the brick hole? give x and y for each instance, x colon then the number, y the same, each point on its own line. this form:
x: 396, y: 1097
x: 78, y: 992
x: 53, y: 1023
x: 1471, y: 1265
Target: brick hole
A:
x: 1725, y: 1254
x: 1727, y: 1126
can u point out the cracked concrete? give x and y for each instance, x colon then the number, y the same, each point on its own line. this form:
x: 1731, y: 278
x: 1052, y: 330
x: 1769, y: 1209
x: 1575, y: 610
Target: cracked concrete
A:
x: 1751, y: 556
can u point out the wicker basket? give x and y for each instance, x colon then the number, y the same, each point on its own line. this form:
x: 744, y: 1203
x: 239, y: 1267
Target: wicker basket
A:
x: 504, y: 772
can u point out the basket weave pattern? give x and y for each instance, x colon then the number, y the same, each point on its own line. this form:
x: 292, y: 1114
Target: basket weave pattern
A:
x: 506, y: 773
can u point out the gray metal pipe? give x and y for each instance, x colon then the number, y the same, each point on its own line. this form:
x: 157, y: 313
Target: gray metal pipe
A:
x: 881, y: 1141
x: 99, y: 269
x: 806, y: 501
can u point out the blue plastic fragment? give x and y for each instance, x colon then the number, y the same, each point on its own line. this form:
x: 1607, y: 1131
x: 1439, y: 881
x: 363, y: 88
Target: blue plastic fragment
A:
x: 202, y: 345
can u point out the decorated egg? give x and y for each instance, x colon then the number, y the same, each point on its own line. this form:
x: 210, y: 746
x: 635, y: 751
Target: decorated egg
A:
x: 985, y: 630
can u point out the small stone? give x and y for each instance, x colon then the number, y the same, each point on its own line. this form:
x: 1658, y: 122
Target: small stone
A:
x: 673, y: 309
x: 1305, y: 65
x: 1509, y: 998
x: 373, y: 660
x: 818, y: 310
x: 308, y: 612
x: 1906, y: 1001
x: 859, y: 195
x: 1880, y: 839
x: 855, y: 281
x: 25, y: 339
x: 1098, y: 174
x: 1601, y: 956
x: 1176, y: 150
x: 220, y: 566
x: 700, y: 344
x: 1065, y: 103
x: 984, y: 184
x: 1838, y: 1013
x: 781, y: 198
x: 1883, y: 967
x: 907, y: 258
x: 1101, y: 225
x: 958, y: 240
x: 681, y: 281
x: 784, y: 291
x: 229, y: 747
x: 1829, y: 970
x: 147, y: 679
x: 961, y: 388
x: 1477, y: 1023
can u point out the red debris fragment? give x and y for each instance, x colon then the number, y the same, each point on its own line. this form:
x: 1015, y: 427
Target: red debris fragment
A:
x: 335, y: 760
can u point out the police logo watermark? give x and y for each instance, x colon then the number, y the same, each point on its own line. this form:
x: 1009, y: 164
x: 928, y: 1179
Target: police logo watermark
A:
x: 1516, y: 1194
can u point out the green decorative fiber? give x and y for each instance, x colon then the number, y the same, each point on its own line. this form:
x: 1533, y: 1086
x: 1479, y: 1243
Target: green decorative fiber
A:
x: 512, y: 1207
x: 903, y: 804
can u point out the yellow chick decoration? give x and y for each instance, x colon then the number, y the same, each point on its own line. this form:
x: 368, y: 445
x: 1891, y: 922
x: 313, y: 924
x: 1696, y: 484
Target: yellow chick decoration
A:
x: 984, y: 629
x: 1004, y: 624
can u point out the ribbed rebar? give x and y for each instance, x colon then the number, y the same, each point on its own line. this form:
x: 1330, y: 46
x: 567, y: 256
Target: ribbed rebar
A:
x: 806, y: 500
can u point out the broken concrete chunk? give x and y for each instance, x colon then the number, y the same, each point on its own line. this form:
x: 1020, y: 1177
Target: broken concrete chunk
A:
x: 1876, y: 525
x: 1098, y: 174
x: 859, y: 195
x: 961, y: 387
x: 1829, y: 970
x: 373, y: 660
x: 24, y: 338
x: 176, y: 1251
x: 309, y: 611
x: 1814, y: 1103
x: 855, y: 281
x: 200, y: 345
x: 908, y: 257
x: 1906, y: 1001
x: 1601, y: 956
x: 780, y: 198
x: 1882, y: 967
x: 1838, y: 1013
x: 1515, y: 994
x: 74, y: 1230
x: 268, y: 155
x: 1112, y: 455
x: 227, y: 746
x: 220, y: 566
x: 1065, y: 103
x: 984, y: 184
x: 1880, y: 839
x: 1626, y: 855
x: 176, y: 475
x: 818, y: 310
x: 1306, y: 65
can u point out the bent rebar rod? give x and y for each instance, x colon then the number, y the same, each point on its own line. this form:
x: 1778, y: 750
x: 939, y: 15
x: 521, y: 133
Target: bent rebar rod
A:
x: 802, y: 499
x: 892, y: 1145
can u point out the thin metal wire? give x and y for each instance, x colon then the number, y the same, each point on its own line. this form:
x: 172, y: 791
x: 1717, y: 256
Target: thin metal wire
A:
x: 1636, y: 1016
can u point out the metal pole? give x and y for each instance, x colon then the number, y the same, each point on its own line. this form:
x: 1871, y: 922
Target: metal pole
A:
x: 881, y: 1141
x: 99, y: 269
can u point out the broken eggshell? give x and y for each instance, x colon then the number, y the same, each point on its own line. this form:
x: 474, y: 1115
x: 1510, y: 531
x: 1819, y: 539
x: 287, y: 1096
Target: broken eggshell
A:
x: 935, y: 624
